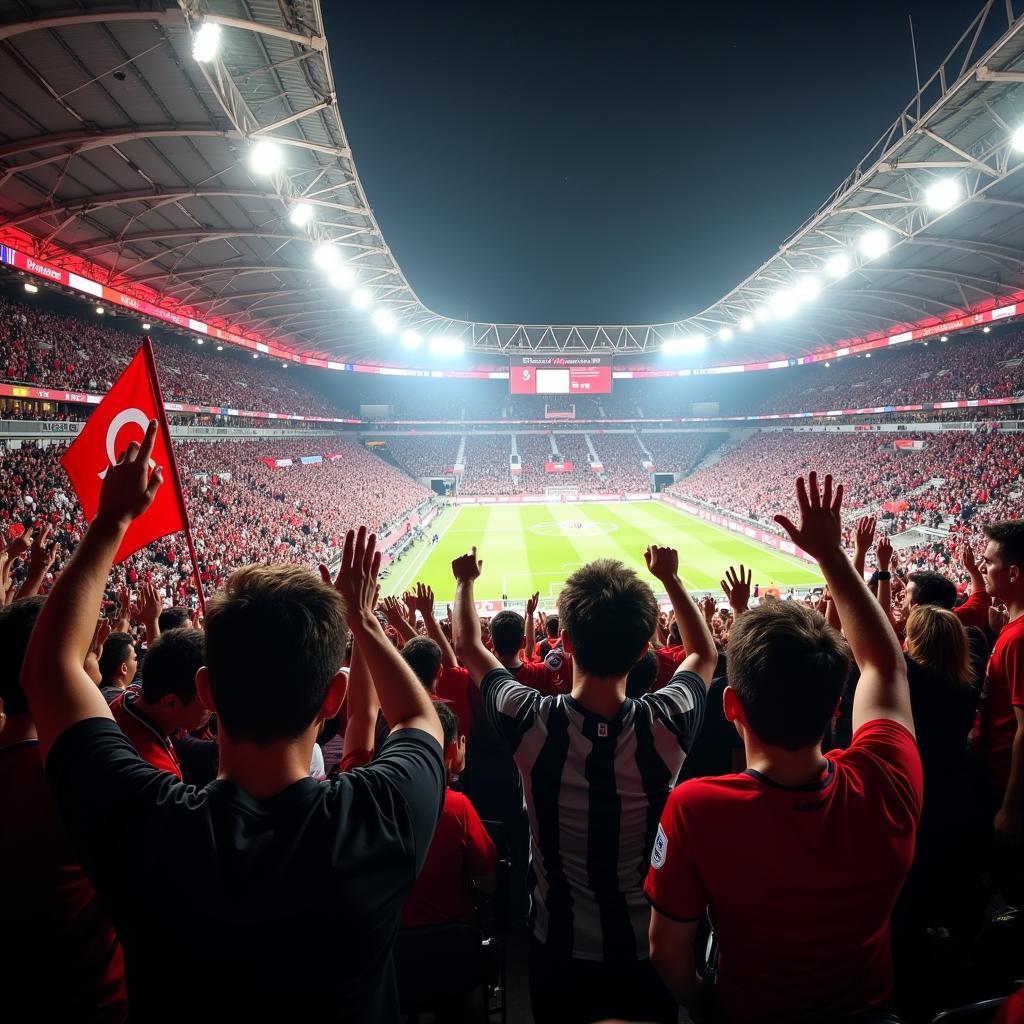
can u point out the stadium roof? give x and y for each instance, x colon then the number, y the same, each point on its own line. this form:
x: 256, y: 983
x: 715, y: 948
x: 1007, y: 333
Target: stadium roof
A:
x: 118, y: 147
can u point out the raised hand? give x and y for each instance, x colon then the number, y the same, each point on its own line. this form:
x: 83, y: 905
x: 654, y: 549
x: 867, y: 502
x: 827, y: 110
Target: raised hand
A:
x: 393, y: 610
x: 467, y: 567
x: 129, y: 487
x: 531, y: 604
x: 707, y: 607
x: 737, y: 588
x: 967, y: 559
x: 425, y: 601
x: 357, y: 575
x: 820, y: 532
x: 662, y: 562
x: 43, y: 552
x: 864, y: 534
x: 19, y: 545
x: 150, y: 605
x: 883, y: 552
x: 998, y: 617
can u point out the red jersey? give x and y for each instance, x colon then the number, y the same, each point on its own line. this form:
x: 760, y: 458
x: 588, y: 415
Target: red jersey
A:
x: 62, y: 960
x: 460, y: 851
x: 800, y: 882
x: 669, y: 660
x: 455, y: 687
x: 549, y: 677
x: 152, y: 745
x: 1003, y: 691
x: 974, y: 611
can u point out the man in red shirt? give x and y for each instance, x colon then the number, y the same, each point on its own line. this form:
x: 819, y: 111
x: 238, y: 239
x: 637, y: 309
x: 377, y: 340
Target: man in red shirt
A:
x: 798, y: 860
x: 1000, y: 739
x: 551, y: 676
x: 934, y: 588
x: 423, y: 655
x: 461, y: 853
x: 166, y: 701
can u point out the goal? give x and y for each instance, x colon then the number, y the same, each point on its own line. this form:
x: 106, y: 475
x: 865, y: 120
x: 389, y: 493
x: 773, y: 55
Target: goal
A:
x: 562, y: 493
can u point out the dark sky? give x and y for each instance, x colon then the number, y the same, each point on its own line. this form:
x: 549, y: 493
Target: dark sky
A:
x: 627, y: 162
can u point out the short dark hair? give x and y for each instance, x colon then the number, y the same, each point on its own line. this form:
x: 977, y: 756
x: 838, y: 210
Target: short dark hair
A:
x: 933, y: 588
x: 174, y: 618
x: 114, y: 654
x: 551, y: 626
x: 171, y: 665
x: 449, y: 722
x: 16, y: 624
x: 608, y: 613
x: 642, y: 676
x: 508, y: 631
x: 423, y: 656
x: 275, y: 639
x: 788, y: 667
x: 1009, y: 535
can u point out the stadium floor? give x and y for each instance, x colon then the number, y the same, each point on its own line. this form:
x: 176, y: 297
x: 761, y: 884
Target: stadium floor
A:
x: 529, y: 548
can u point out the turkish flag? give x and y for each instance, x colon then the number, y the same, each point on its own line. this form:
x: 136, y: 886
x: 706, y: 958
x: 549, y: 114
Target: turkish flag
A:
x: 122, y: 417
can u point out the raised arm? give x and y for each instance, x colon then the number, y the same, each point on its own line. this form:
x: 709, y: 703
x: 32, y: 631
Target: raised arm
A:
x: 147, y: 611
x: 425, y: 603
x: 59, y: 691
x: 883, y: 553
x: 701, y: 653
x: 862, y: 538
x: 530, y: 642
x: 361, y: 705
x: 406, y: 705
x: 737, y: 589
x: 395, y: 613
x: 882, y: 691
x: 469, y: 645
x: 43, y: 554
x: 970, y: 565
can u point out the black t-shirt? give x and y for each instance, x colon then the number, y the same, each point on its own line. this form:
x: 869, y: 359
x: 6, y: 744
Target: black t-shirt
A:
x: 227, y: 903
x: 713, y: 746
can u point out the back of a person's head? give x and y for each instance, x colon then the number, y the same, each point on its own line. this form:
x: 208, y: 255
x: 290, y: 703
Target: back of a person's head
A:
x: 16, y: 624
x: 174, y: 618
x: 933, y: 588
x: 449, y: 722
x: 788, y: 667
x: 171, y: 665
x: 936, y: 640
x: 551, y: 626
x: 116, y: 649
x: 508, y: 630
x: 642, y: 676
x: 423, y: 656
x: 275, y: 638
x: 1008, y: 534
x: 609, y: 614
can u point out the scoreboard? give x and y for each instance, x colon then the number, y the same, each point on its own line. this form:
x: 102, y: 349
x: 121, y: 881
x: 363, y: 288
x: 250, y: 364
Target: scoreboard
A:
x: 560, y: 375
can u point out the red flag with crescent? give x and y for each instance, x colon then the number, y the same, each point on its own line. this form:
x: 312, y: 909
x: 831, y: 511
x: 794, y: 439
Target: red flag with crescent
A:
x: 122, y: 417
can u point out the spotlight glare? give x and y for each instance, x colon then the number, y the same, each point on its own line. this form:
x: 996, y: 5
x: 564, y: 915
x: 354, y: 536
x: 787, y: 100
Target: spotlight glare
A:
x: 255, y: 355
x: 100, y: 310
x: 985, y: 330
x: 838, y: 266
x: 942, y: 194
x: 266, y: 157
x: 383, y: 320
x: 784, y: 302
x: 725, y: 334
x: 808, y: 288
x: 199, y: 341
x: 875, y: 243
x: 326, y: 256
x: 411, y: 339
x: 1017, y: 139
x: 206, y: 42
x: 684, y: 344
x: 342, y: 276
x: 220, y: 348
x: 828, y: 363
x: 362, y: 298
x: 445, y: 346
x: 301, y: 214
x: 147, y: 327
x: 746, y: 323
x: 762, y: 314
x: 31, y: 288
x: 945, y: 337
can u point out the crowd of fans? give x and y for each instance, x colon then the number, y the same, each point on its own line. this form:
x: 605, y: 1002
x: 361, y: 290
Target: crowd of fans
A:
x: 487, y: 465
x: 424, y: 455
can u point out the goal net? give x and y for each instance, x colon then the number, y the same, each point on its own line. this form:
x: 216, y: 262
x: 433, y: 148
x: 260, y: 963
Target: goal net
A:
x: 562, y: 493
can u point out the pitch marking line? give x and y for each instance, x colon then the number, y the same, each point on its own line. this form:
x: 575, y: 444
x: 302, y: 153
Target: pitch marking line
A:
x: 408, y: 575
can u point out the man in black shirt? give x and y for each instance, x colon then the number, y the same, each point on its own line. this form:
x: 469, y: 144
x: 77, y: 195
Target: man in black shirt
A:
x: 225, y: 897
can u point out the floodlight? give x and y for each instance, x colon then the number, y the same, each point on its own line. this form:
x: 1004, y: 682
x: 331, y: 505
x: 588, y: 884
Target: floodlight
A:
x: 326, y: 256
x: 284, y: 366
x: 301, y: 214
x: 807, y: 288
x: 206, y: 42
x: 942, y: 194
x: 199, y: 341
x: 342, y: 276
x: 411, y: 339
x: 362, y: 298
x: 875, y: 243
x: 784, y: 302
x: 255, y: 355
x: 220, y: 348
x: 30, y: 287
x: 445, y: 346
x: 383, y: 320
x: 945, y: 337
x: 838, y: 266
x: 828, y: 363
x: 746, y: 323
x: 985, y: 330
x: 100, y: 310
x: 762, y: 314
x: 147, y: 327
x: 266, y: 157
x: 1017, y: 139
x: 725, y: 334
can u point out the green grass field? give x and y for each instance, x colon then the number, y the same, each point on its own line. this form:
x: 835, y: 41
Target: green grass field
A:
x: 527, y: 548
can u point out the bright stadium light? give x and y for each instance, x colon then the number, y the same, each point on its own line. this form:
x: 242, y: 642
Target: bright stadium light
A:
x: 199, y: 341
x: 985, y: 330
x: 838, y: 266
x: 206, y: 42
x: 383, y: 320
x: 255, y: 355
x: 762, y: 314
x: 266, y: 157
x: 100, y: 310
x: 684, y: 344
x: 807, y: 288
x: 1017, y: 139
x: 411, y: 339
x: 945, y: 337
x: 784, y: 302
x: 301, y: 214
x: 445, y: 346
x: 31, y: 288
x: 342, y: 277
x: 942, y: 194
x: 326, y: 256
x: 875, y: 243
x: 746, y: 323
x: 147, y: 327
x: 220, y: 348
x: 725, y: 334
x: 362, y: 298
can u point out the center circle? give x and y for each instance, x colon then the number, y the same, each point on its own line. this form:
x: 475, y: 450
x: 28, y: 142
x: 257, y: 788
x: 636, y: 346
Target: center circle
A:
x: 573, y: 528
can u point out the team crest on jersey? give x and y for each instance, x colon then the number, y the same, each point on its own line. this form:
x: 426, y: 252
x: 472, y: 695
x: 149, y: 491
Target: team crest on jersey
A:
x: 602, y: 728
x: 660, y: 848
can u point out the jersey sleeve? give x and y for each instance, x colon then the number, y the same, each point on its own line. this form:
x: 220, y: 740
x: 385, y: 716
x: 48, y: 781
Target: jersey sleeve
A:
x: 678, y: 708
x: 1013, y: 666
x: 481, y: 853
x: 510, y: 707
x: 673, y: 886
x: 974, y: 611
x: 889, y: 751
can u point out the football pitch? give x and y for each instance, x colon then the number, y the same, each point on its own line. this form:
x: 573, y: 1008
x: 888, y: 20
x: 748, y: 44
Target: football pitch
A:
x: 529, y: 548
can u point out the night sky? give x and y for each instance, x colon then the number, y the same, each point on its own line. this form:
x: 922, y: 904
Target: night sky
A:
x: 556, y: 162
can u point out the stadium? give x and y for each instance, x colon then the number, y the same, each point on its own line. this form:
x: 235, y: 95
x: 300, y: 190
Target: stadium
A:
x: 191, y: 268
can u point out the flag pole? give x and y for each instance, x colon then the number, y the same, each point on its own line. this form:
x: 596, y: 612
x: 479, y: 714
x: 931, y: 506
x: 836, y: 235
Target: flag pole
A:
x: 161, y: 412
